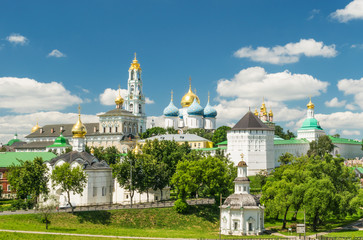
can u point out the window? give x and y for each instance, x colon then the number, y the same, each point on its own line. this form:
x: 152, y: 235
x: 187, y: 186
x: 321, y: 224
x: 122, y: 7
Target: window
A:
x: 235, y: 225
x: 9, y: 188
x: 104, y: 129
x: 244, y: 189
x: 249, y: 226
x: 110, y: 129
x: 156, y: 198
x: 239, y: 188
x: 1, y: 175
x: 115, y: 129
x: 103, y: 191
x: 94, y: 191
x: 140, y: 109
x: 127, y: 196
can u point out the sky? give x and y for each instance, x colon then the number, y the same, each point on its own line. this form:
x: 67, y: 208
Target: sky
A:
x: 55, y: 55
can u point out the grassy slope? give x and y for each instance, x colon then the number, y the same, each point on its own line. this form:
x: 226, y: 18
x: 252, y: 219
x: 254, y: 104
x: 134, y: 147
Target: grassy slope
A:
x: 21, y: 236
x: 202, y: 222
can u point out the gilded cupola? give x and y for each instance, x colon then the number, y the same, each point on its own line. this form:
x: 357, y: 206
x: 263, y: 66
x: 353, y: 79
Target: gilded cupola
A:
x: 263, y: 108
x: 135, y: 65
x: 310, y: 105
x: 256, y: 112
x: 78, y: 129
x: 35, y: 128
x: 119, y: 100
x: 270, y: 113
x: 137, y: 149
x: 189, y: 97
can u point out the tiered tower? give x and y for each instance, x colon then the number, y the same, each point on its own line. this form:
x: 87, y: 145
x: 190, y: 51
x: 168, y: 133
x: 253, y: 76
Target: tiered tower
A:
x: 310, y: 129
x: 79, y: 131
x: 135, y: 99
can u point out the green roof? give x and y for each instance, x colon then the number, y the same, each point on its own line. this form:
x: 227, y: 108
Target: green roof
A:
x: 210, y: 149
x: 310, y: 123
x: 59, y: 142
x: 291, y: 141
x: 222, y: 143
x: 360, y: 169
x: 12, y: 141
x: 9, y: 158
x: 344, y: 140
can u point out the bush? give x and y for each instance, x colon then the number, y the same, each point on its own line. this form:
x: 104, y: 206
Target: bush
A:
x: 181, y: 206
x: 22, y: 204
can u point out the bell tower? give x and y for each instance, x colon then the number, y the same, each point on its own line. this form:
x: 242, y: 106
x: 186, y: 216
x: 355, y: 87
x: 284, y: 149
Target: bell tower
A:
x: 135, y: 99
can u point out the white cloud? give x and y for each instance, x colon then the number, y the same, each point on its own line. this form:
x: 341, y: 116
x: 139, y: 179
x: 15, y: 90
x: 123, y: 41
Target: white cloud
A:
x: 56, y: 53
x: 354, y: 10
x: 353, y: 87
x: 281, y: 86
x: 350, y: 132
x: 358, y: 45
x: 23, y: 123
x: 16, y: 39
x: 290, y: 53
x: 332, y: 131
x: 334, y: 102
x: 109, y: 95
x: 351, y: 107
x: 25, y: 95
x: 313, y: 13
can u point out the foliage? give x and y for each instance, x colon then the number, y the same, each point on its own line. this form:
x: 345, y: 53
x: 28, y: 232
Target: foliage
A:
x: 279, y: 131
x: 47, y: 208
x: 152, y: 132
x: 181, y: 206
x: 323, y: 186
x: 261, y: 178
x: 30, y: 178
x: 22, y: 204
x: 69, y: 179
x: 69, y: 149
x: 320, y: 147
x: 171, y: 130
x: 286, y: 158
x: 3, y: 149
x: 110, y: 154
x: 204, y: 176
x: 220, y: 135
x: 201, y: 132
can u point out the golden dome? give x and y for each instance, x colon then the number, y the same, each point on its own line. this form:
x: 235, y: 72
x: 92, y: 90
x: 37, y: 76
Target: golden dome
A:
x: 256, y: 112
x: 78, y: 129
x: 188, y: 98
x: 135, y: 64
x: 35, y: 128
x: 270, y: 113
x: 310, y: 105
x: 119, y: 100
x: 137, y: 149
x: 92, y: 151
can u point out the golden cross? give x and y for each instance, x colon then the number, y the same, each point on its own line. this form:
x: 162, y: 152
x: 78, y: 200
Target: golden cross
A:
x: 135, y: 55
x: 242, y: 155
x: 79, y: 109
x: 190, y: 82
x: 172, y: 95
x: 208, y: 96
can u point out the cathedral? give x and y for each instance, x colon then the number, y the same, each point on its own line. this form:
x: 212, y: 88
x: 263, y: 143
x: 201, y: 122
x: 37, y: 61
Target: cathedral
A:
x: 191, y: 115
x: 116, y: 127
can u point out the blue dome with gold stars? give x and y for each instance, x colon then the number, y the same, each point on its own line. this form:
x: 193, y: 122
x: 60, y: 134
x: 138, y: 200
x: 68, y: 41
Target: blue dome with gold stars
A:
x: 195, y: 108
x: 171, y: 110
x: 209, y: 111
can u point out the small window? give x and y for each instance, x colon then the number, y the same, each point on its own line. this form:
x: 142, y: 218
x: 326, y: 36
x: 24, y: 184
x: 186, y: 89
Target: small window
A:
x: 239, y: 188
x: 115, y: 129
x: 235, y: 225
x: 156, y: 198
x: 245, y: 189
x: 249, y: 226
x: 103, y: 191
x: 127, y: 196
x: 1, y: 175
x: 104, y: 129
x: 110, y: 129
x: 9, y: 188
x: 94, y: 191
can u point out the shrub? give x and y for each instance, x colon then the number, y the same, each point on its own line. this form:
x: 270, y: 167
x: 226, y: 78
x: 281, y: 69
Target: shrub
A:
x: 181, y: 206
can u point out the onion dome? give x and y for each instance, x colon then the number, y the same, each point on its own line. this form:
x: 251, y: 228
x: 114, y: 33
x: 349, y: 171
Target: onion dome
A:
x: 137, y: 149
x: 78, y: 129
x: 119, y: 100
x: 135, y: 65
x: 310, y: 105
x: 189, y: 97
x: 242, y: 164
x: 263, y: 108
x: 35, y: 128
x: 195, y: 108
x: 256, y: 112
x: 209, y: 111
x: 270, y: 113
x: 171, y: 110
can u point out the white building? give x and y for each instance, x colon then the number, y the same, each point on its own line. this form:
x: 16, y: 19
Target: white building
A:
x: 241, y: 212
x: 191, y: 115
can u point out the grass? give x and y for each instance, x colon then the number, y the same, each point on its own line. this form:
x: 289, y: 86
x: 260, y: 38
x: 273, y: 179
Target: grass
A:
x: 345, y: 234
x: 201, y: 222
x: 21, y: 236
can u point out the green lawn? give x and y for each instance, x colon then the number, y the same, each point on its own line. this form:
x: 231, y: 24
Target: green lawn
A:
x: 201, y: 222
x: 22, y: 236
x: 345, y: 234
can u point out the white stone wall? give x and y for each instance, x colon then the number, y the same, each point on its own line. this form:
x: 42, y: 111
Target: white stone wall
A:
x: 310, y: 134
x: 295, y: 149
x: 209, y: 123
x: 348, y: 151
x: 171, y: 122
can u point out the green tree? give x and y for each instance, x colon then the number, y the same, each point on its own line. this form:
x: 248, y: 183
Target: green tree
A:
x: 110, y: 154
x: 46, y: 208
x: 152, y: 132
x: 220, y: 135
x: 279, y: 131
x: 261, y: 178
x: 320, y: 147
x: 30, y: 178
x: 69, y: 179
x: 3, y: 149
x: 286, y: 158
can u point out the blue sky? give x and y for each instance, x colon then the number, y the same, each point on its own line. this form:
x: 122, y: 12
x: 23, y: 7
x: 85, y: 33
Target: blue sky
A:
x: 240, y: 51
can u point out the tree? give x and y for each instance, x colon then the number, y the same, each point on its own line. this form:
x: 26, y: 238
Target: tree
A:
x: 220, y: 134
x: 46, y: 208
x: 30, y: 178
x: 286, y: 158
x: 320, y: 147
x: 279, y: 131
x: 110, y: 154
x: 261, y: 178
x: 3, y: 149
x: 152, y: 132
x: 69, y: 179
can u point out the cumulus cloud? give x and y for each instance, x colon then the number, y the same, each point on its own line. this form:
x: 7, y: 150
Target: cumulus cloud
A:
x: 334, y: 102
x: 351, y: 107
x: 17, y: 39
x: 281, y: 86
x: 354, y: 10
x: 109, y: 95
x: 289, y: 53
x: 313, y: 13
x: 353, y: 87
x: 350, y: 132
x: 56, y: 53
x: 25, y: 95
x: 23, y: 123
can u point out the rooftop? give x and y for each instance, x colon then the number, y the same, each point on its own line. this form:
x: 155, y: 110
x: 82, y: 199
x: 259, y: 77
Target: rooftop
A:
x: 250, y: 122
x: 9, y: 158
x: 178, y: 138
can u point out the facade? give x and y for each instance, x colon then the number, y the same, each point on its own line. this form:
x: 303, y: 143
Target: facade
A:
x: 117, y: 127
x: 191, y: 115
x: 241, y: 212
x: 252, y: 138
x: 194, y: 141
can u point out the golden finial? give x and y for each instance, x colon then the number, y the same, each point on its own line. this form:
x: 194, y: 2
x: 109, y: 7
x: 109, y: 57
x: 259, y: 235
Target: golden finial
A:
x: 172, y: 95
x: 135, y: 56
x: 242, y: 156
x: 195, y: 91
x: 190, y: 83
x: 79, y: 110
x: 310, y: 104
x: 208, y: 96
x: 119, y: 100
x: 79, y: 130
x: 92, y: 151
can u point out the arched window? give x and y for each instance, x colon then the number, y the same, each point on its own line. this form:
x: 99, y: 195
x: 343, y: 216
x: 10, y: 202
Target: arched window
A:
x: 131, y: 107
x: 140, y: 108
x: 132, y: 74
x: 132, y: 88
x: 110, y: 129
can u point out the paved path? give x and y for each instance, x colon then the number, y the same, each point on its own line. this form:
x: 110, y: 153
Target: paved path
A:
x: 90, y: 235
